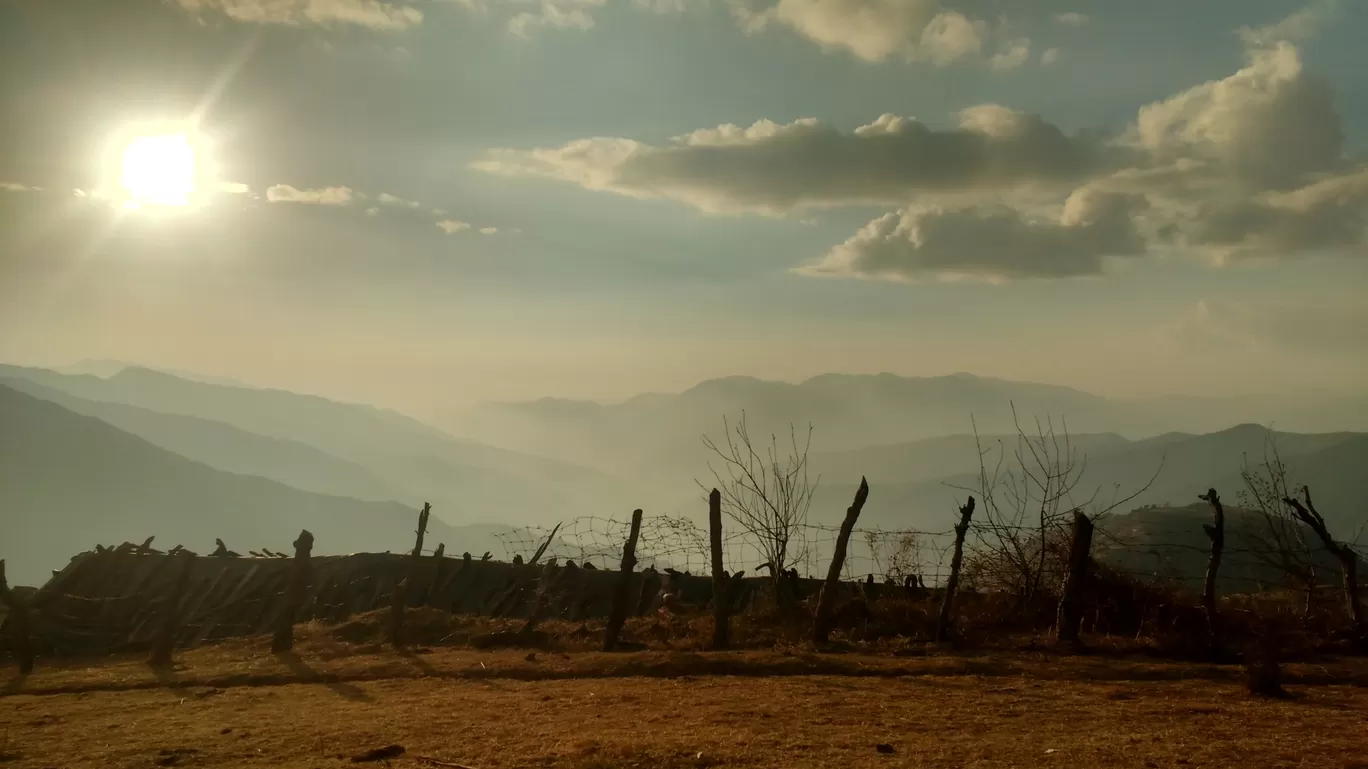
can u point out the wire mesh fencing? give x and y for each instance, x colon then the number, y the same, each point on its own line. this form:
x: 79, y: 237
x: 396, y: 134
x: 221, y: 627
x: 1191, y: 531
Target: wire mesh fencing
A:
x: 895, y: 556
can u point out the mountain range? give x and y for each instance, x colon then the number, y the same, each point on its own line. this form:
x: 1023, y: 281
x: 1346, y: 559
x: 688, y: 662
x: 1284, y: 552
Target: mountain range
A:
x: 193, y: 459
x: 69, y: 482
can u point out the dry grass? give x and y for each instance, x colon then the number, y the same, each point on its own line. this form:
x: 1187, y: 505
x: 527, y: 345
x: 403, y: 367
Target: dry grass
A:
x: 239, y: 705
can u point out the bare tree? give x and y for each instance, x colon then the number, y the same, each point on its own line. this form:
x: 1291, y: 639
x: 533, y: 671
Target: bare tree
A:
x: 1307, y: 513
x: 1029, y: 501
x: 1280, y: 541
x: 766, y: 494
x: 896, y: 555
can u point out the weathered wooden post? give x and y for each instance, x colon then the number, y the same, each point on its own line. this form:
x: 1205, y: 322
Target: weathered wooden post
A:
x: 721, y: 595
x: 294, y: 593
x: 20, y: 625
x: 401, y: 585
x: 547, y: 582
x: 164, y: 643
x: 542, y: 550
x: 821, y: 622
x: 1070, y: 616
x: 1216, y: 533
x: 618, y: 614
x: 946, y: 619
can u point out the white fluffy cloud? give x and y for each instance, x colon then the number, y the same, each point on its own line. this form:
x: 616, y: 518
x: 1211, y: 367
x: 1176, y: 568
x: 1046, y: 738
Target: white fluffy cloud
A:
x: 557, y: 14
x: 323, y: 196
x: 451, y: 226
x: 1072, y: 19
x: 872, y: 30
x: 992, y: 243
x: 375, y: 14
x: 387, y: 199
x: 1268, y: 125
x: 1013, y: 56
x: 779, y: 168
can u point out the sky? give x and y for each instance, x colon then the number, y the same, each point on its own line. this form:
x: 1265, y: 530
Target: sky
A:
x: 429, y: 204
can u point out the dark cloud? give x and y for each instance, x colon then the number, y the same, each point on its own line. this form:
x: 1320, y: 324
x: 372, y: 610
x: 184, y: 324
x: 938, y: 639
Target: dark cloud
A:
x: 774, y: 168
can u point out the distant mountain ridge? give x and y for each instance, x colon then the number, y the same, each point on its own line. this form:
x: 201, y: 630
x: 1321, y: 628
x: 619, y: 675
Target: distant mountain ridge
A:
x: 106, y: 368
x: 467, y: 481
x: 69, y: 482
x: 225, y: 447
x: 856, y: 411
x: 1176, y: 468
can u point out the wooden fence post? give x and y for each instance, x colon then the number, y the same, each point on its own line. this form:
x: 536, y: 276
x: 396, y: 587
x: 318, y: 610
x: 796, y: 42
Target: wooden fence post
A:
x: 1216, y: 533
x: 401, y: 585
x: 165, y: 641
x: 547, y: 582
x: 1071, y: 601
x: 294, y: 593
x: 20, y: 625
x: 946, y: 619
x: 542, y: 550
x: 721, y: 594
x: 618, y: 614
x: 821, y: 622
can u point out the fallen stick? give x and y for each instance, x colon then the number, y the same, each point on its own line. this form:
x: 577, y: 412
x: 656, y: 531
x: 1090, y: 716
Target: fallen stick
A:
x: 440, y: 762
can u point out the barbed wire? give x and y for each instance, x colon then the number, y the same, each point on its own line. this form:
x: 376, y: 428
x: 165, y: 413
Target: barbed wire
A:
x: 886, y: 555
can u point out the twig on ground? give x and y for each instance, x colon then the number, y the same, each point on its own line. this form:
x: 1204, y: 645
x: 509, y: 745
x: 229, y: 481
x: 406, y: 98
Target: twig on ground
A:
x: 440, y: 762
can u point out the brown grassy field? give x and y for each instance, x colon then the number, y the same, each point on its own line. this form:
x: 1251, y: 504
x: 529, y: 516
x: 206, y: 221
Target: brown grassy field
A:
x: 238, y: 705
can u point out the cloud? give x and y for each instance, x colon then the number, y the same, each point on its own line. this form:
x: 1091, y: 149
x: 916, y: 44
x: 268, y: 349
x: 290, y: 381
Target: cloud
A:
x: 234, y: 188
x: 1293, y: 29
x: 1014, y: 56
x: 1268, y: 125
x: 663, y: 6
x: 558, y: 14
x: 489, y: 230
x: 1073, y: 19
x: 872, y: 30
x: 325, y: 196
x: 451, y: 226
x: 1270, y: 327
x: 17, y: 187
x: 374, y: 14
x: 774, y: 168
x: 1330, y: 215
x: 991, y: 243
x: 1252, y: 165
x: 387, y: 199
x: 1050, y: 56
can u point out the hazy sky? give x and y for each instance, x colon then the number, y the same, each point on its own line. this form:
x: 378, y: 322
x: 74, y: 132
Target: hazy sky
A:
x: 424, y: 204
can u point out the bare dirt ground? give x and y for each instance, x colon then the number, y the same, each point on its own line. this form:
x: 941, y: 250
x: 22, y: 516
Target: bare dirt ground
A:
x: 239, y: 705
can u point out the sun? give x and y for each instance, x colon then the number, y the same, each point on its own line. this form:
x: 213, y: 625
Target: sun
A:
x: 158, y: 170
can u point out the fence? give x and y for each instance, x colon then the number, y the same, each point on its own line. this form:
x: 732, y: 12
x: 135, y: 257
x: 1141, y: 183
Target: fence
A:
x: 888, y: 555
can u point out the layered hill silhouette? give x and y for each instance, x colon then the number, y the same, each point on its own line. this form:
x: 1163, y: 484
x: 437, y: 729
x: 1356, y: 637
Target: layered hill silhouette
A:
x: 1168, y: 470
x: 322, y: 445
x: 229, y: 448
x: 857, y: 411
x: 68, y: 482
x: 1167, y: 543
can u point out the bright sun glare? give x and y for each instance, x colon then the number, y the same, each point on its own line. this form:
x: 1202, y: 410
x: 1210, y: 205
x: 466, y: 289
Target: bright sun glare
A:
x: 159, y: 170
